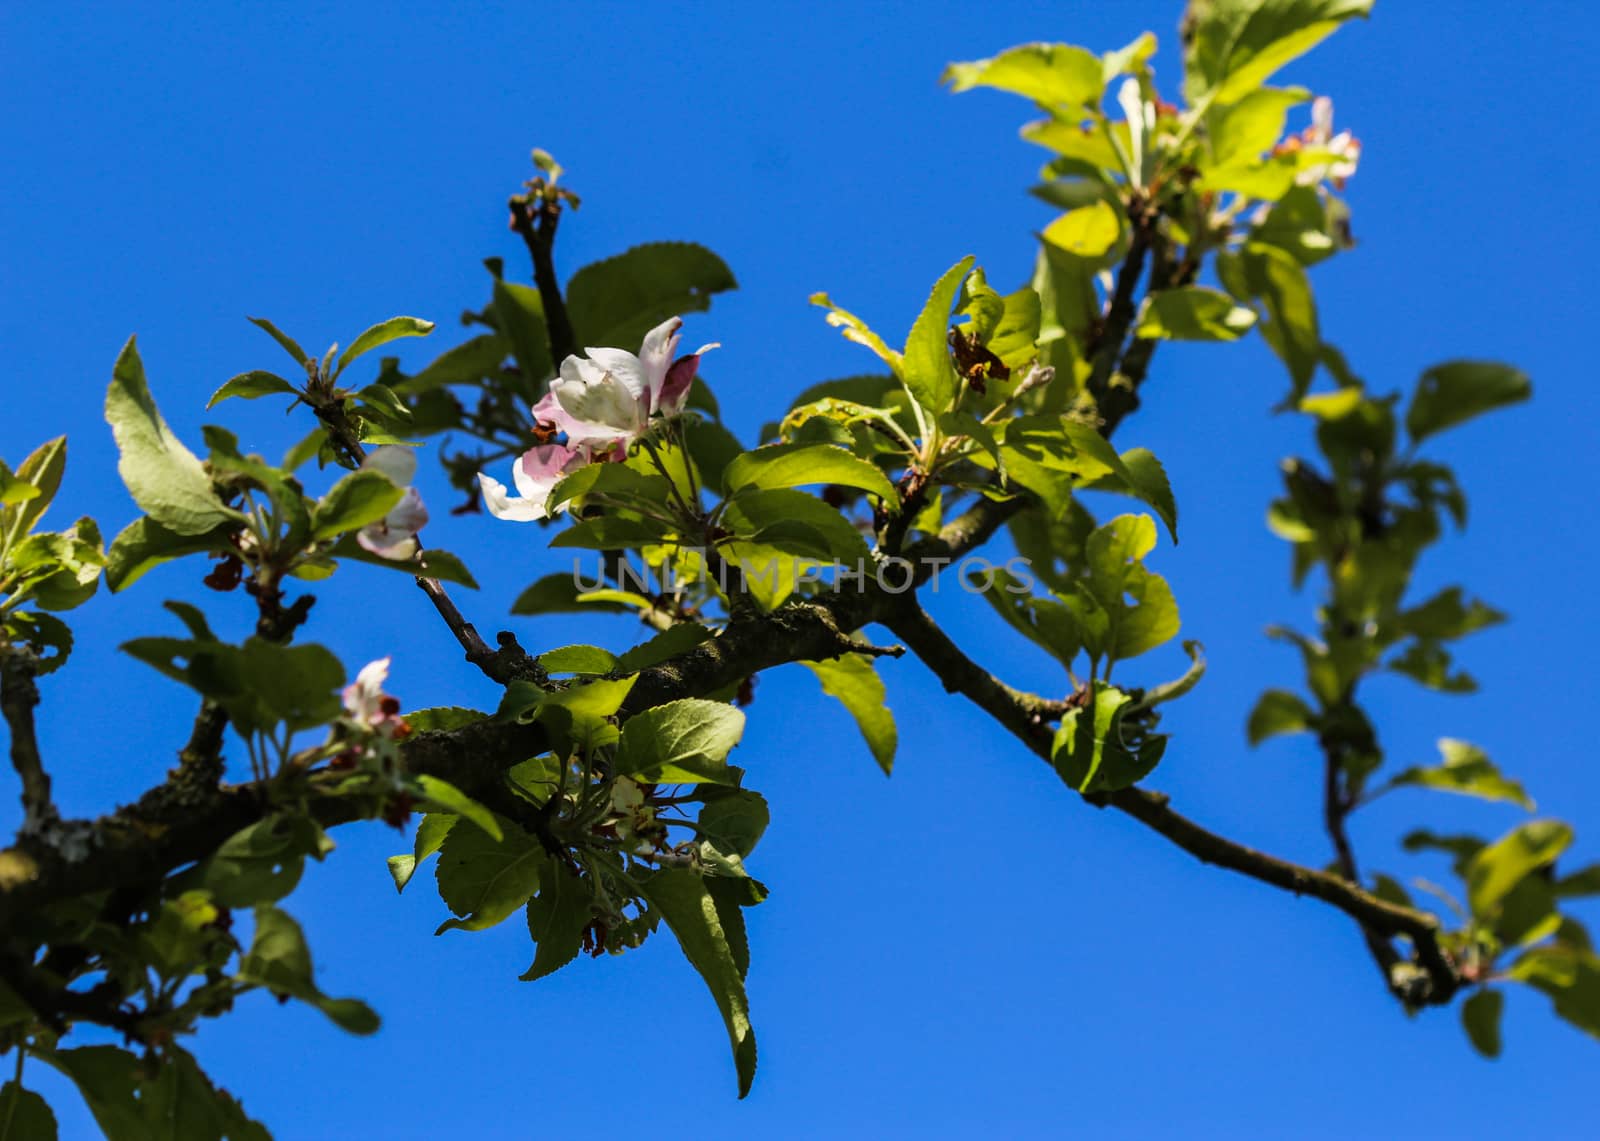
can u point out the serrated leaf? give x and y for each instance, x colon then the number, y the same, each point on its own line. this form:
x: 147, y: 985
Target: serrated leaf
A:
x: 557, y: 917
x: 852, y: 679
x: 925, y: 367
x: 484, y: 879
x: 164, y: 477
x: 800, y: 465
x: 615, y: 302
x: 681, y: 898
x: 681, y: 742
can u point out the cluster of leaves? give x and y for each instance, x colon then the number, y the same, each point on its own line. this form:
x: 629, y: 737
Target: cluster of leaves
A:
x: 1363, y: 516
x: 1191, y: 222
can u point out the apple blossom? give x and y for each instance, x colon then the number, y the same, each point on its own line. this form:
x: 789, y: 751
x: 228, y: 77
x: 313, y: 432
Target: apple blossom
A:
x: 535, y: 473
x: 369, y: 706
x: 607, y: 397
x: 395, y: 535
x: 1343, y: 151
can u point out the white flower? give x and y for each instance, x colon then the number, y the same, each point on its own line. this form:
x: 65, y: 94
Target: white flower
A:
x: 535, y: 473
x: 395, y: 535
x: 607, y: 397
x: 1327, y: 155
x: 366, y: 703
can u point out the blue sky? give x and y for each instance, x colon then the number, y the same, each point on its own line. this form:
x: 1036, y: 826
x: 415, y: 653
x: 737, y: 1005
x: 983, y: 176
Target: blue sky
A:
x: 963, y: 948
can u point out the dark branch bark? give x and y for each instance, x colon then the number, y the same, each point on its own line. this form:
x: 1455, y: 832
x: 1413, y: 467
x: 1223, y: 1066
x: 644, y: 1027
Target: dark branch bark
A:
x: 536, y: 221
x: 19, y: 694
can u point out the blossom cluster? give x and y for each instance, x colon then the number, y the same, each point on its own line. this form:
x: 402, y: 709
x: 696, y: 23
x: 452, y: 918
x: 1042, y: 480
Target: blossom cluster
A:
x: 602, y: 403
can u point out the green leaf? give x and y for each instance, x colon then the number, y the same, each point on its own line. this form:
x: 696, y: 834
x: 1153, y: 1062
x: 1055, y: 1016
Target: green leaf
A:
x: 852, y: 679
x: 734, y: 819
x: 1048, y: 622
x: 288, y: 343
x: 1495, y: 870
x: 519, y: 313
x: 796, y: 523
x: 1447, y: 615
x: 1277, y: 712
x: 799, y: 465
x: 578, y: 660
x: 359, y: 498
x: 1455, y: 392
x: 280, y: 961
x: 431, y: 831
x: 1053, y: 74
x: 252, y: 386
x: 1570, y: 977
x: 262, y: 862
x: 1193, y: 313
x: 1468, y: 770
x: 483, y: 879
x: 1480, y: 1017
x: 42, y: 471
x: 681, y: 897
x: 108, y: 1078
x: 381, y: 334
x: 1088, y: 232
x: 164, y: 477
x: 1292, y: 331
x: 1172, y: 690
x: 1234, y: 46
x: 1115, y: 553
x: 668, y: 644
x: 441, y: 718
x: 24, y: 1115
x: 925, y: 369
x: 1245, y: 131
x: 144, y: 544
x: 440, y: 796
x: 557, y: 917
x: 852, y: 328
x: 616, y: 302
x: 559, y: 594
x: 681, y: 742
x: 1092, y: 753
x: 611, y: 532
x: 1136, y: 472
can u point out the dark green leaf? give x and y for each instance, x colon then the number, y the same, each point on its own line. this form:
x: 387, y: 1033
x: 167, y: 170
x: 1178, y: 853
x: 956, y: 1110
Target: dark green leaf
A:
x: 557, y: 917
x: 1453, y: 393
x: 617, y: 301
x: 484, y: 879
x: 280, y: 961
x: 1278, y: 711
x: 801, y: 465
x: 252, y: 386
x: 689, y: 910
x: 1480, y: 1016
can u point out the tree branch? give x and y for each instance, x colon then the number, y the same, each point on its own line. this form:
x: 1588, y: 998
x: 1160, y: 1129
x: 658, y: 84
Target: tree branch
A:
x: 19, y: 694
x: 535, y: 216
x: 1021, y: 714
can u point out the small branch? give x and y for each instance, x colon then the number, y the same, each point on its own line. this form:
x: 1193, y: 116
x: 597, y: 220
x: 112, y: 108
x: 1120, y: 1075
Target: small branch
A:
x: 1022, y: 715
x: 19, y: 695
x: 1122, y: 306
x: 537, y: 222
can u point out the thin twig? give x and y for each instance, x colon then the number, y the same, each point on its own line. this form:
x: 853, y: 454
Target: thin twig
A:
x: 537, y: 225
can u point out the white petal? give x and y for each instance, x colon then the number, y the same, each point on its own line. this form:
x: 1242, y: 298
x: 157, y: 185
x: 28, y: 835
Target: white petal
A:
x: 399, y: 464
x: 606, y: 409
x: 503, y: 506
x: 624, y: 367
